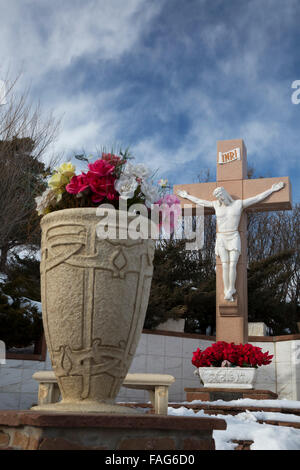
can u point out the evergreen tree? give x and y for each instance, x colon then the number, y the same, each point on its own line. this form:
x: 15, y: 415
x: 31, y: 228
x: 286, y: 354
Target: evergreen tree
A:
x: 266, y: 281
x: 182, y: 287
x: 22, y: 177
x: 20, y: 312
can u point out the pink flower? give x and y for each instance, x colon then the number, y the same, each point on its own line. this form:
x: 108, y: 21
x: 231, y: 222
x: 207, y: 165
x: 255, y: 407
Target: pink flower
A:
x: 77, y: 184
x: 99, y: 180
x: 170, y: 211
x: 168, y: 199
x: 101, y: 167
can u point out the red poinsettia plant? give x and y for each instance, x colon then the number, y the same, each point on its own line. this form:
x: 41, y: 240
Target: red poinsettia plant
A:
x: 222, y: 354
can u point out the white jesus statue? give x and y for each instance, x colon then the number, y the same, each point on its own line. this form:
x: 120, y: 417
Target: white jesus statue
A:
x: 228, y: 243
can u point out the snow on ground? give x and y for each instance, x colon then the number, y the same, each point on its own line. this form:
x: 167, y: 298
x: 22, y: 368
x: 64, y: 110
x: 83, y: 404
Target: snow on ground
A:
x: 244, y: 426
x: 248, y: 402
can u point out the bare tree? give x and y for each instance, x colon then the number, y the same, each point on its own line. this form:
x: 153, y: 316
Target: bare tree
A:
x: 26, y: 136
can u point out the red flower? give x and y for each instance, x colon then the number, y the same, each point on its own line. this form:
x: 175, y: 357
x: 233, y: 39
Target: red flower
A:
x: 236, y: 354
x: 77, y: 184
x: 102, y: 187
x: 99, y: 179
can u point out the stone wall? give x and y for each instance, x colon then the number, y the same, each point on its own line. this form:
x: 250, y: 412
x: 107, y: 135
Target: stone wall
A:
x: 30, y: 430
x: 165, y: 353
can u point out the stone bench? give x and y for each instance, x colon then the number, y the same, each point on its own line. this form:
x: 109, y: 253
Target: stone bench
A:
x: 156, y: 384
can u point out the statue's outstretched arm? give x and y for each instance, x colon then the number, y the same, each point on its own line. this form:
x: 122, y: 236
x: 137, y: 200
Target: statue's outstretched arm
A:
x: 260, y: 197
x: 196, y: 200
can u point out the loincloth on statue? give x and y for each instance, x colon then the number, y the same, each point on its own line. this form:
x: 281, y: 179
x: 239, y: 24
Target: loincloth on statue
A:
x: 231, y: 241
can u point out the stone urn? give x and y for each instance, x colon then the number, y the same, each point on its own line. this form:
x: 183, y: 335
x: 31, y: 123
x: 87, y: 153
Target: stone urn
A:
x: 95, y: 295
x: 227, y: 377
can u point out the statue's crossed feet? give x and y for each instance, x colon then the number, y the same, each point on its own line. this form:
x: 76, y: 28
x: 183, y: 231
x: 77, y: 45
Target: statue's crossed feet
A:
x: 228, y: 295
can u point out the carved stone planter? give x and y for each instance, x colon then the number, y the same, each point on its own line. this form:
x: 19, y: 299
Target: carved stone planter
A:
x: 227, y: 377
x: 94, y: 296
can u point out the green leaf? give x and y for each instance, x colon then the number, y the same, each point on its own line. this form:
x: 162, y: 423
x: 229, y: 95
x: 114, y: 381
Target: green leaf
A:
x: 82, y: 158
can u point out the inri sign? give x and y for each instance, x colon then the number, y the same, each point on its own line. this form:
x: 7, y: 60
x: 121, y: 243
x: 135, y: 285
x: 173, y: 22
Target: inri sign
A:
x: 230, y: 156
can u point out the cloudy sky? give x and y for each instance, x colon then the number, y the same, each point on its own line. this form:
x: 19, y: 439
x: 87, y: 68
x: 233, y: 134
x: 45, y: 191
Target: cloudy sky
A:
x: 166, y: 77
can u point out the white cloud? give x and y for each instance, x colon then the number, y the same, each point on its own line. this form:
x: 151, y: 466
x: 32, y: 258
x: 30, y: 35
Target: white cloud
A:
x: 88, y: 120
x: 42, y: 39
x: 48, y: 36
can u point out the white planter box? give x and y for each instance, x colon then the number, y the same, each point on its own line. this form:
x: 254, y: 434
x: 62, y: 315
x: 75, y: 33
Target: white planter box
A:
x: 227, y: 377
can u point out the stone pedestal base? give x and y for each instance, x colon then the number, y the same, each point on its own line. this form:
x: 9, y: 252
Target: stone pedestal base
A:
x: 227, y: 394
x: 32, y: 430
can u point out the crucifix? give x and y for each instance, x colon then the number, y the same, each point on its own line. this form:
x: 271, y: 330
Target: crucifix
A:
x: 230, y: 198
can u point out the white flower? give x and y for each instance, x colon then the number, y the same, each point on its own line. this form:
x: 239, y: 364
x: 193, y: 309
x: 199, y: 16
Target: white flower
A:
x: 138, y: 171
x: 150, y: 192
x: 126, y: 186
x: 133, y: 176
x: 163, y: 183
x: 45, y: 201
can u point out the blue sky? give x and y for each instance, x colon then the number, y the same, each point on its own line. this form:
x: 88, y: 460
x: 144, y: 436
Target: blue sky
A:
x: 166, y: 77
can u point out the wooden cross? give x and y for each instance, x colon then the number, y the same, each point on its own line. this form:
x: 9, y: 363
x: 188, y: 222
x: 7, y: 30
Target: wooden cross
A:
x: 232, y: 316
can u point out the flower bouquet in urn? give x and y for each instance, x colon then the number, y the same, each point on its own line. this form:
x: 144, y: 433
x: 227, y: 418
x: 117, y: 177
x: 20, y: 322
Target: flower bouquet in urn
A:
x: 106, y: 180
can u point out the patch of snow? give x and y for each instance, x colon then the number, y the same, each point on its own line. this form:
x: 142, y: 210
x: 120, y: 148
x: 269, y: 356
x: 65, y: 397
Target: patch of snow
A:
x: 10, y: 300
x: 244, y: 426
x: 25, y: 302
x: 3, y: 277
x: 25, y: 251
x: 269, y: 415
x: 284, y: 403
